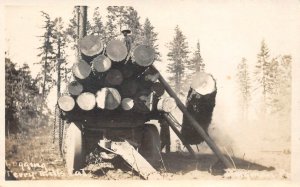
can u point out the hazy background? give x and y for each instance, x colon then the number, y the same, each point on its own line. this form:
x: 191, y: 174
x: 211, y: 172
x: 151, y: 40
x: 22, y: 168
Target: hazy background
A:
x: 227, y: 31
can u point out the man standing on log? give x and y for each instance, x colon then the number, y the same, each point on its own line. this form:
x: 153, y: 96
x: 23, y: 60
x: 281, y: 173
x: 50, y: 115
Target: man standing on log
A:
x: 127, y: 37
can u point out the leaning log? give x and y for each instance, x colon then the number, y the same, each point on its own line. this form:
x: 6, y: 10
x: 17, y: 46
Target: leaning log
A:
x: 143, y: 55
x: 66, y: 103
x: 90, y: 45
x: 86, y: 101
x: 114, y: 77
x: 101, y: 64
x: 108, y: 98
x: 116, y: 50
x: 75, y: 88
x: 167, y: 104
x: 81, y: 69
x: 194, y: 123
x: 127, y: 104
x: 200, y: 104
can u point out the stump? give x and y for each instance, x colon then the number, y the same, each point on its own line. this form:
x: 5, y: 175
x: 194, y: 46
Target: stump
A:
x: 90, y: 45
x: 86, y: 101
x: 200, y: 104
x: 116, y: 50
x: 66, y: 103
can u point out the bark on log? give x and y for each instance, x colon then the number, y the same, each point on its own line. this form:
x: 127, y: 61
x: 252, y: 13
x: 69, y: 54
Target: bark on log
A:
x: 101, y: 64
x: 116, y: 50
x: 90, y: 45
x: 108, y: 98
x: 158, y: 89
x: 75, y: 88
x: 86, y: 101
x: 66, y: 103
x: 200, y: 103
x: 127, y: 103
x: 81, y: 69
x: 167, y: 104
x: 129, y: 88
x: 114, y: 77
x: 143, y: 55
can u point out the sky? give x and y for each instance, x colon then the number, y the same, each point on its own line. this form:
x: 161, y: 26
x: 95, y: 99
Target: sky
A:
x: 227, y: 31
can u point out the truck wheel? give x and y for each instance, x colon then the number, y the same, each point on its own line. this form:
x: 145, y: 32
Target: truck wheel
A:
x: 150, y: 145
x: 74, y: 150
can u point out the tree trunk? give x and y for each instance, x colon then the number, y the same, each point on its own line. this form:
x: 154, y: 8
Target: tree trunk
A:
x: 86, y: 101
x: 127, y: 104
x: 75, y: 88
x: 81, y: 70
x: 200, y: 104
x: 116, y: 50
x: 114, y: 77
x: 108, y: 98
x: 66, y: 103
x: 101, y: 64
x: 143, y: 55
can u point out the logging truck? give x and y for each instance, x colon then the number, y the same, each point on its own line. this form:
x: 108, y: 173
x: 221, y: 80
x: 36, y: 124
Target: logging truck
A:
x: 115, y: 92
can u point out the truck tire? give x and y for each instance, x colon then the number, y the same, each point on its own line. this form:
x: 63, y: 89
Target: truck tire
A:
x: 150, y: 145
x: 74, y: 149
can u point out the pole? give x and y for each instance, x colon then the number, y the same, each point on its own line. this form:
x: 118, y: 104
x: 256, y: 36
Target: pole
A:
x: 194, y: 123
x: 177, y: 132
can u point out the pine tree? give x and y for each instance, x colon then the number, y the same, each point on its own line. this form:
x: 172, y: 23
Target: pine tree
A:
x: 244, y: 83
x: 47, y: 56
x: 150, y: 38
x: 262, y: 74
x: 178, y: 55
x: 98, y: 26
x: 196, y: 63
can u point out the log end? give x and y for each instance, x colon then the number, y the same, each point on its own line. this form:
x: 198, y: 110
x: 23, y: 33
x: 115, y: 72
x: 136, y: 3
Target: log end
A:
x: 66, y: 103
x: 127, y: 103
x: 203, y: 83
x: 86, y: 101
x: 101, y: 63
x: 144, y: 55
x: 90, y: 45
x: 81, y: 69
x: 116, y: 50
x: 75, y: 88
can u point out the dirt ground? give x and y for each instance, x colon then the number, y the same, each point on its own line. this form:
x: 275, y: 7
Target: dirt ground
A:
x: 35, y: 157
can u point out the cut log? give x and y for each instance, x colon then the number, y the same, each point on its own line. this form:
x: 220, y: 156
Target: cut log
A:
x: 116, y: 50
x: 108, y: 98
x: 143, y: 55
x: 101, y: 64
x: 81, y: 70
x: 128, y: 70
x: 158, y: 89
x: 143, y: 101
x: 75, y: 88
x: 200, y: 104
x: 129, y: 88
x: 86, y: 101
x: 127, y: 103
x: 90, y: 45
x: 66, y: 103
x: 114, y: 77
x: 167, y: 104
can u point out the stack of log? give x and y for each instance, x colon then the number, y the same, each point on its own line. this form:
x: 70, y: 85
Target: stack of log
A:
x: 112, y: 77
